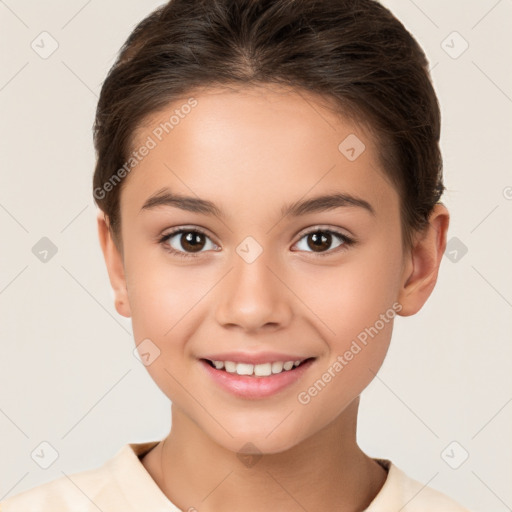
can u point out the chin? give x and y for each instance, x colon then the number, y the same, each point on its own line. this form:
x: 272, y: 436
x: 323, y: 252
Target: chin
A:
x: 261, y: 438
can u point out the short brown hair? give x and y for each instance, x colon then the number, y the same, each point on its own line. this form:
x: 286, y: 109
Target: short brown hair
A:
x: 354, y: 52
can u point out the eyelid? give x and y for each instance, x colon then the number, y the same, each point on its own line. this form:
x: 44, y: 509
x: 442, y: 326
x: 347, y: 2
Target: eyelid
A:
x: 347, y: 240
x: 325, y: 227
x: 179, y: 229
x: 305, y: 231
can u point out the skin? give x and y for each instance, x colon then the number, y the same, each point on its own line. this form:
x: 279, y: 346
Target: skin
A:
x: 251, y: 151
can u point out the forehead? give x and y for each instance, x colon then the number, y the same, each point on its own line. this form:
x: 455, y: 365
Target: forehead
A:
x: 266, y: 109
x: 250, y: 142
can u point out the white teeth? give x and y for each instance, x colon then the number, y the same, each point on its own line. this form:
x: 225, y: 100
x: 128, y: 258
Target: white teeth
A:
x: 230, y: 366
x: 262, y: 370
x: 244, y: 369
x: 277, y: 367
x: 259, y: 370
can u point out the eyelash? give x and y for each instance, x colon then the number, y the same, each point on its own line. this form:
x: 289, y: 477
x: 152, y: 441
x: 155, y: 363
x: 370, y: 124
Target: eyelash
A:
x: 346, y: 241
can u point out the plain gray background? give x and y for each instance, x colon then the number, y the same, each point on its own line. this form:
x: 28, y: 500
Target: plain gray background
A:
x: 68, y: 375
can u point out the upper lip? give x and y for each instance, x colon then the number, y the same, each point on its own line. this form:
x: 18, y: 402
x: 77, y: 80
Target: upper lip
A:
x: 255, y: 358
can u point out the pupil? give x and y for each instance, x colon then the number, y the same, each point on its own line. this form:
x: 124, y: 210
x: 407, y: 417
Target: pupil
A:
x: 193, y: 240
x: 318, y: 239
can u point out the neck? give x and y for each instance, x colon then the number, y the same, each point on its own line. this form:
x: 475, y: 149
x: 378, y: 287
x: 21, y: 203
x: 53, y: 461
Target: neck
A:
x: 327, y: 470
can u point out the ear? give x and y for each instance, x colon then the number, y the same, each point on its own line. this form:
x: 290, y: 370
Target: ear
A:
x: 422, y: 262
x: 115, y: 266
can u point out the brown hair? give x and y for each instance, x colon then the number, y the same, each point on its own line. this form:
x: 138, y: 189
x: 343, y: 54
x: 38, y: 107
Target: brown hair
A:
x: 354, y: 52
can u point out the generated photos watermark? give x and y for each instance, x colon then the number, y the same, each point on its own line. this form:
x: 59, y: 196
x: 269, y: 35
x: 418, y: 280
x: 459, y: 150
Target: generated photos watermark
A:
x: 342, y: 360
x: 151, y: 142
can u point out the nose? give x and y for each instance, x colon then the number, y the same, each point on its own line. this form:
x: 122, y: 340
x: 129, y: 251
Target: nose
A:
x: 253, y: 296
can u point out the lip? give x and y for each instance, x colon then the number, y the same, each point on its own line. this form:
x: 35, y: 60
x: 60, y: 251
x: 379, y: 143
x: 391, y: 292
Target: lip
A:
x: 254, y: 358
x: 252, y: 387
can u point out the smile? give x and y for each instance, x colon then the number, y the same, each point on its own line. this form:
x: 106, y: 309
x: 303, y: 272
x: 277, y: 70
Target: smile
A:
x: 255, y: 380
x: 257, y: 370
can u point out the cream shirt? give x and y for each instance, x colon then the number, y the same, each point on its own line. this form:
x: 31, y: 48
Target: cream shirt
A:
x: 122, y: 484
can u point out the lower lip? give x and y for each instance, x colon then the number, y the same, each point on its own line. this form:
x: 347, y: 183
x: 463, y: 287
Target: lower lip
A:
x: 252, y: 387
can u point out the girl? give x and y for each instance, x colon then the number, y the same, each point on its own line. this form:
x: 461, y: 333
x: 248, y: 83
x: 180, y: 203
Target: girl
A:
x: 268, y: 180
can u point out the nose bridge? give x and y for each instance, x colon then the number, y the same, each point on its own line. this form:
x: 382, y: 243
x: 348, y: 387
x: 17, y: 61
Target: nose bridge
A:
x: 251, y: 296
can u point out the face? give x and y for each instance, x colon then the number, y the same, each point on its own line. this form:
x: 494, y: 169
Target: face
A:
x: 250, y: 270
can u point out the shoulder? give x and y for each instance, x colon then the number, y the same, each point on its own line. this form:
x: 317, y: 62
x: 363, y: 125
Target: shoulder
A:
x: 406, y: 494
x: 76, y: 492
x: 114, y: 486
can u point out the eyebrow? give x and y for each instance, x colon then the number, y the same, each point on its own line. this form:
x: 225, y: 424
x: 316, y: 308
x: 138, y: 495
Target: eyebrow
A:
x: 165, y: 197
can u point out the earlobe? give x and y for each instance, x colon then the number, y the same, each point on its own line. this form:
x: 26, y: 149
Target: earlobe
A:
x: 115, y: 266
x: 423, y: 261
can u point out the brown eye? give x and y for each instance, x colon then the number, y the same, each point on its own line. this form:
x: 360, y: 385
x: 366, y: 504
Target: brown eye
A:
x: 320, y: 241
x: 186, y: 242
x: 192, y: 241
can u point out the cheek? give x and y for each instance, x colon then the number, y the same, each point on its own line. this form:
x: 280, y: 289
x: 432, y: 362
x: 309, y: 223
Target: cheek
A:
x: 162, y: 297
x: 356, y: 305
x: 351, y: 296
x: 360, y: 315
